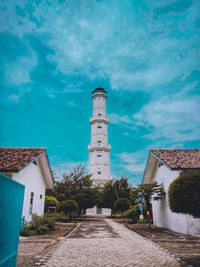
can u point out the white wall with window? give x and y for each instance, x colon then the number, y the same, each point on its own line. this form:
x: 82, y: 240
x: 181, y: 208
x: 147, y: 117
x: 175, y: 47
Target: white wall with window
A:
x: 162, y: 214
x: 31, y: 176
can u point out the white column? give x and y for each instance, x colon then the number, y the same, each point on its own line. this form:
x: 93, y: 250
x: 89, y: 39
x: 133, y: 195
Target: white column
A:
x: 99, y: 149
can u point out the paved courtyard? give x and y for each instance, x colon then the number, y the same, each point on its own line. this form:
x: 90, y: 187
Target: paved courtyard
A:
x: 105, y: 243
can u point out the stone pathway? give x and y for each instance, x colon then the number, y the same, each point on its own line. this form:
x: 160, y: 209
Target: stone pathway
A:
x: 108, y: 244
x: 32, y: 250
x: 186, y: 248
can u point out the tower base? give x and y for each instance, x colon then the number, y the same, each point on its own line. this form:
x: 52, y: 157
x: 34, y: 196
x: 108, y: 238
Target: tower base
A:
x: 100, y: 181
x: 98, y: 211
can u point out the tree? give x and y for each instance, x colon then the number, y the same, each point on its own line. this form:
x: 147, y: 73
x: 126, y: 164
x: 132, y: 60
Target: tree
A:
x: 69, y: 206
x: 121, y: 205
x: 122, y: 188
x: 50, y: 201
x: 108, y: 195
x: 114, y: 190
x: 77, y: 185
x: 87, y: 198
x: 147, y: 192
x: 184, y: 193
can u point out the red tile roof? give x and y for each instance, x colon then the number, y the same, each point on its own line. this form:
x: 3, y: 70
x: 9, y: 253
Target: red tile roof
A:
x: 179, y: 158
x: 14, y: 159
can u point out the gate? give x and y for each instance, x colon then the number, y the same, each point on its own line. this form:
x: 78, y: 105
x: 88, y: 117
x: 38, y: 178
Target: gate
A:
x: 11, y: 203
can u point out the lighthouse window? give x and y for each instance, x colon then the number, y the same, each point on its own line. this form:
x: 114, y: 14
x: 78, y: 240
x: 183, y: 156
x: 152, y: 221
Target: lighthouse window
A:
x: 99, y: 114
x: 99, y: 141
x: 99, y: 156
x: 99, y: 172
x: 99, y: 126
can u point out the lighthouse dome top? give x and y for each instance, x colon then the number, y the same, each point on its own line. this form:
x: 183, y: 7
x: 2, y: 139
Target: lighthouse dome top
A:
x: 99, y: 90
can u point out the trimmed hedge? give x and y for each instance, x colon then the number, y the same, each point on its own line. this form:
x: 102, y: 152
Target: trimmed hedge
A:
x: 184, y: 193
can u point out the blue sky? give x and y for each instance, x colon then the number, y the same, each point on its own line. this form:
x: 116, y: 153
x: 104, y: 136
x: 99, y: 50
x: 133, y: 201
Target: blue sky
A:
x: 146, y: 54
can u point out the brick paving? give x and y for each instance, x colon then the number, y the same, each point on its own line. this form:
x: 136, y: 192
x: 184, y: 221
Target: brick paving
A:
x: 187, y: 251
x: 186, y: 248
x: 37, y: 249
x: 32, y: 250
x: 108, y: 245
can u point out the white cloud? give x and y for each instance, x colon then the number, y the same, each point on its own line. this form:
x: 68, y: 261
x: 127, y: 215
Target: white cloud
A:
x: 171, y: 120
x: 72, y: 104
x: 51, y: 95
x: 132, y: 162
x: 84, y: 23
x: 119, y: 119
x: 14, y: 98
x: 95, y: 42
x: 17, y: 72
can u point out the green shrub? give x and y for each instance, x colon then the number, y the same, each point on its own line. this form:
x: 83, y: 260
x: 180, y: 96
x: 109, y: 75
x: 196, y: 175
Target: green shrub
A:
x: 140, y: 221
x: 59, y: 217
x: 38, y: 225
x: 184, y: 193
x: 49, y: 222
x: 132, y: 211
x: 27, y: 231
x: 42, y: 230
x: 35, y: 222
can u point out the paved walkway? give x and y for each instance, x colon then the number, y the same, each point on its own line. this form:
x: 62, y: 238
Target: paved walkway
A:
x: 108, y: 244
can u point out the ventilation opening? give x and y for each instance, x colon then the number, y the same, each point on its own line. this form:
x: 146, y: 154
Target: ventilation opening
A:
x: 99, y: 142
x: 160, y: 164
x: 99, y: 126
x: 99, y: 156
x: 99, y: 172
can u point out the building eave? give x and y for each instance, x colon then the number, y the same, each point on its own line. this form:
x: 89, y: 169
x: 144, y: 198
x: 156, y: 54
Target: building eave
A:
x: 46, y: 171
x: 160, y: 160
x: 20, y: 169
x: 150, y: 169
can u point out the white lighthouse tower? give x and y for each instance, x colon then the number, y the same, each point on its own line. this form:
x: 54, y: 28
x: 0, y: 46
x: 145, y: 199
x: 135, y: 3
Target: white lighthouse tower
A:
x: 99, y: 149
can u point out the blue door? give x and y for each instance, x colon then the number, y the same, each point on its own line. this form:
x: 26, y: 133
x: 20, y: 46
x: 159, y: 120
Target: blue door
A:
x: 11, y: 204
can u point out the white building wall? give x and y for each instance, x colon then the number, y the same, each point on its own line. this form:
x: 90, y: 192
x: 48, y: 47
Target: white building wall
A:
x: 33, y: 180
x: 163, y: 216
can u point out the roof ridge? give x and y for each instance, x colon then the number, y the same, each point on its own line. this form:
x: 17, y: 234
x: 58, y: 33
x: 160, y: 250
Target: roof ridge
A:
x: 14, y: 159
x: 42, y: 148
x: 179, y: 158
x: 175, y: 149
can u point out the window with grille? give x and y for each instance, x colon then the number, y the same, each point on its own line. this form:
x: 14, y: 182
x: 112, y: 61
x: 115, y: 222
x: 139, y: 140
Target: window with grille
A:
x: 31, y: 203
